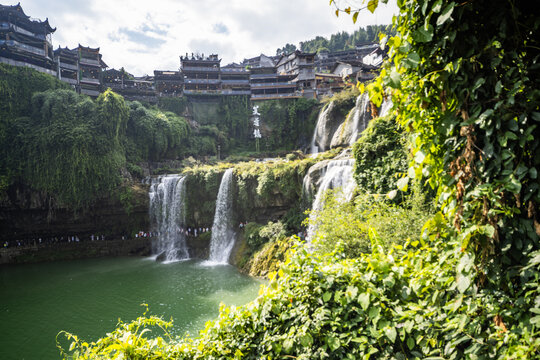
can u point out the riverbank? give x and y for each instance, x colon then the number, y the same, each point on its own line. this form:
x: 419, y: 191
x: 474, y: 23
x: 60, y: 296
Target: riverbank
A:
x: 76, y: 250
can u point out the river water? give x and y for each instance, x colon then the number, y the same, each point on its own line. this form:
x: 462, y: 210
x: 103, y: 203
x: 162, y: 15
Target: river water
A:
x: 87, y: 297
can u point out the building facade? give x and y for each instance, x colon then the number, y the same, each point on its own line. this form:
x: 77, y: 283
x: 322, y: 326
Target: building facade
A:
x: 168, y: 83
x: 235, y: 80
x: 24, y: 41
x: 202, y: 75
x: 302, y: 66
x: 90, y: 68
x: 67, y: 62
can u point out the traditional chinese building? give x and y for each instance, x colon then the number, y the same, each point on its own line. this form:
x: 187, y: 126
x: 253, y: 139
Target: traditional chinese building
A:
x: 235, y: 80
x: 67, y: 62
x: 328, y: 84
x: 168, y: 83
x: 302, y: 66
x: 326, y: 60
x: 201, y: 75
x: 24, y: 41
x: 90, y: 68
x: 130, y: 87
x: 267, y: 84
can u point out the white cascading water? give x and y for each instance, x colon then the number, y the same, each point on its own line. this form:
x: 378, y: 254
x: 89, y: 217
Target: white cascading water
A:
x: 167, y: 216
x: 317, y: 144
x: 360, y: 117
x: 223, y: 235
x: 338, y: 175
x: 386, y: 105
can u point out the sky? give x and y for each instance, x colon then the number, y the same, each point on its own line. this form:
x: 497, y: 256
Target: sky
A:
x: 143, y: 36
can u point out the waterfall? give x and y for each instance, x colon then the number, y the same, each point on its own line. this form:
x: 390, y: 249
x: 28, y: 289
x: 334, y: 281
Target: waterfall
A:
x: 319, y: 141
x: 338, y: 174
x: 361, y: 115
x: 223, y: 235
x: 167, y: 216
x: 386, y: 106
x: 333, y: 131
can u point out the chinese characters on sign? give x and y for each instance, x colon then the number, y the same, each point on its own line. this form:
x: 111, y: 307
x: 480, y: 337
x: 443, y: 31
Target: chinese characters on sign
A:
x: 256, y: 122
x: 256, y: 117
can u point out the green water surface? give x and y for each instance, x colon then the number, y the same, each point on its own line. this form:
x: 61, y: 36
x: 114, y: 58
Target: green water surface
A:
x: 87, y: 297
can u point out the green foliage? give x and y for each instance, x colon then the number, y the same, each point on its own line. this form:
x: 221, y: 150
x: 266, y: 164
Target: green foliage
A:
x: 257, y: 235
x: 175, y: 105
x: 343, y: 101
x: 17, y: 85
x: 287, y: 123
x: 465, y: 79
x: 380, y: 157
x: 345, y: 41
x: 153, y: 134
x: 287, y: 49
x: 413, y: 301
x: 69, y: 146
x: 269, y: 258
x: 353, y: 225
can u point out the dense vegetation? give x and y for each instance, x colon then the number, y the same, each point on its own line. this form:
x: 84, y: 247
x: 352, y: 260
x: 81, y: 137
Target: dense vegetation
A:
x: 340, y: 41
x: 464, y: 81
x: 76, y: 150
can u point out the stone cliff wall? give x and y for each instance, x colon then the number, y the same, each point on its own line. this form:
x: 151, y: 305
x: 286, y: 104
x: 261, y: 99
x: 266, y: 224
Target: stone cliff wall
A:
x: 75, y: 250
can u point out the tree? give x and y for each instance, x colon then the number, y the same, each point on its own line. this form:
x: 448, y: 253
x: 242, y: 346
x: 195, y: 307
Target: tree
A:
x: 287, y: 49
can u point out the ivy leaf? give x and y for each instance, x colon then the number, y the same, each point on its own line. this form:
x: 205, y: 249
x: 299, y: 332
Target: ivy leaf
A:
x: 412, y: 60
x: 288, y: 345
x: 403, y: 183
x: 306, y: 340
x: 392, y: 194
x: 463, y: 283
x: 395, y: 79
x: 326, y: 296
x: 333, y: 342
x: 363, y: 299
x: 419, y: 157
x: 445, y: 15
x: 423, y: 34
x: 391, y: 333
x: 355, y: 17
x: 410, y: 343
x: 513, y: 185
x: 372, y: 5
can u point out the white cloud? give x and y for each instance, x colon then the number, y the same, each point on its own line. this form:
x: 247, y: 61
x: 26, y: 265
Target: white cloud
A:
x: 142, y: 36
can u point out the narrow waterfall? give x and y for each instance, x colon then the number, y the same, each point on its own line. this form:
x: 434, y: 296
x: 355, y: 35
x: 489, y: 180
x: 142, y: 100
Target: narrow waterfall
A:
x: 167, y: 216
x: 320, y: 139
x: 386, y: 106
x: 361, y: 116
x: 338, y: 174
x: 223, y: 235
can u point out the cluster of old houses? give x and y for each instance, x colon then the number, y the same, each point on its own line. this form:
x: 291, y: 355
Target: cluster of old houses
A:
x: 27, y: 42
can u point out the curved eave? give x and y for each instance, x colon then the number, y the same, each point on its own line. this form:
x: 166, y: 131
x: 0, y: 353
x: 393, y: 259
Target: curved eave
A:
x: 48, y: 26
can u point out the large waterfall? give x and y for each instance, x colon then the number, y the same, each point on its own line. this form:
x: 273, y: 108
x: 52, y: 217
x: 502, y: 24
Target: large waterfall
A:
x: 223, y: 235
x: 337, y: 175
x: 167, y: 216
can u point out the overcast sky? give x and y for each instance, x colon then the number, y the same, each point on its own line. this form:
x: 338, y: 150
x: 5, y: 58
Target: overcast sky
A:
x: 144, y: 36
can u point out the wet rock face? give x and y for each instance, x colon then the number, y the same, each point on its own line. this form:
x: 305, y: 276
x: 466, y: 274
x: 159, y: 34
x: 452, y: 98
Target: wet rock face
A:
x: 26, y: 214
x: 335, y: 130
x: 328, y: 122
x: 356, y: 122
